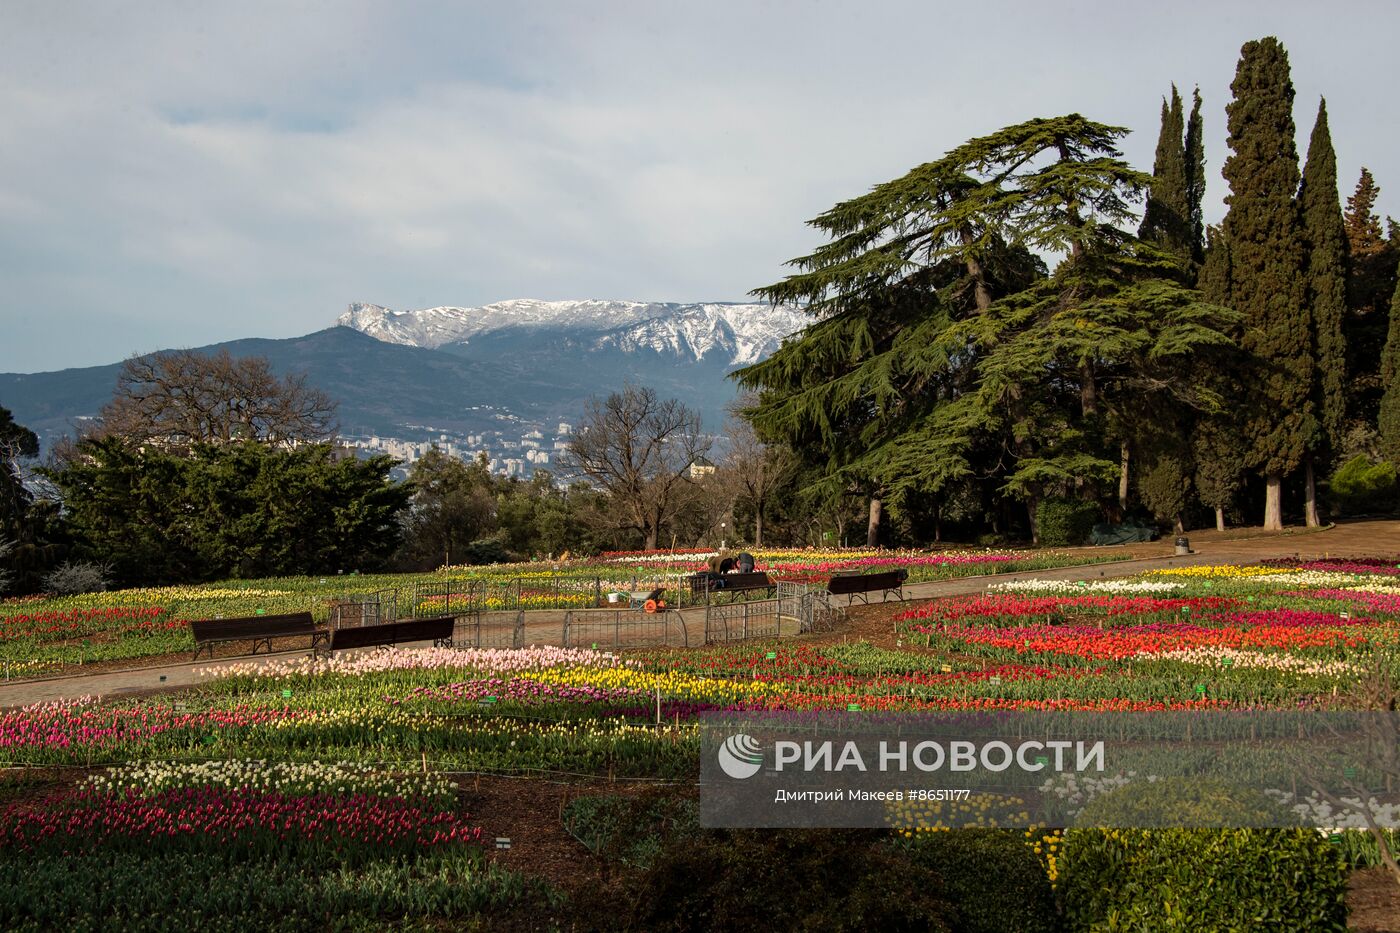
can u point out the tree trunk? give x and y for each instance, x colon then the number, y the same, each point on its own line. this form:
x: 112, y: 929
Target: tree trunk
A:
x: 872, y: 530
x: 1178, y: 526
x: 650, y: 543
x: 1219, y: 518
x: 1123, y: 457
x: 1088, y: 389
x: 1273, y: 502
x: 758, y: 524
x: 1031, y: 505
x: 1310, y: 495
x: 981, y: 294
x: 1076, y: 248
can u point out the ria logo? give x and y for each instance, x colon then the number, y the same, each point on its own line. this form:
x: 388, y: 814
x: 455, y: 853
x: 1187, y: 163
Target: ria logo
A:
x: 741, y: 756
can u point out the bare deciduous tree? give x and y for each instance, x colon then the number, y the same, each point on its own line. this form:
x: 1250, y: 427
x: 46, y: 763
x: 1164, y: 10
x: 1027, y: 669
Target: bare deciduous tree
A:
x: 754, y: 469
x: 181, y: 397
x: 639, y: 449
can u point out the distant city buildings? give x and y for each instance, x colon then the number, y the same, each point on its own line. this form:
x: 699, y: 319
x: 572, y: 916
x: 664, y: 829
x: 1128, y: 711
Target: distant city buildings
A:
x: 519, y: 452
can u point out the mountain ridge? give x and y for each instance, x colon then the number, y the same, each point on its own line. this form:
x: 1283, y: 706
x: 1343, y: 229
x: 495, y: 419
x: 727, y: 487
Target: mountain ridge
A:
x: 742, y: 332
x: 512, y: 367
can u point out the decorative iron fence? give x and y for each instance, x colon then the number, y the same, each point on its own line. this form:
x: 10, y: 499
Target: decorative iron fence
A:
x: 491, y: 615
x: 490, y: 630
x: 365, y: 609
x: 624, y: 628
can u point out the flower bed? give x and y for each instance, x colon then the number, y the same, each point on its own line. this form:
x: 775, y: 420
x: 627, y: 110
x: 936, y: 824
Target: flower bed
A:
x: 151, y: 621
x: 324, y: 762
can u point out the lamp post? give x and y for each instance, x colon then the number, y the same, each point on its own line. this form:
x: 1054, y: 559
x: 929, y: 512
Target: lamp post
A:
x: 722, y: 526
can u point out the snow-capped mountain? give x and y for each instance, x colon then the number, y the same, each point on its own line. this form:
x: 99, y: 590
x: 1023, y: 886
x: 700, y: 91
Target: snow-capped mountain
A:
x: 469, y: 371
x: 736, y: 334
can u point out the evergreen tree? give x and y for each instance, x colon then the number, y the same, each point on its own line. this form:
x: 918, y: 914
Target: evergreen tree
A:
x: 939, y: 355
x: 1167, y: 218
x: 1370, y: 283
x: 1363, y: 227
x: 1325, y: 236
x: 453, y: 504
x: 16, y: 442
x: 1267, y: 265
x: 1389, y: 420
x: 1196, y: 178
x: 1219, y: 474
x: 1214, y: 438
x: 242, y: 509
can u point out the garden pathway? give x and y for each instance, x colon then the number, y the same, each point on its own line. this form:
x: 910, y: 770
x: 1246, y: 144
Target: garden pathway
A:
x: 1350, y: 539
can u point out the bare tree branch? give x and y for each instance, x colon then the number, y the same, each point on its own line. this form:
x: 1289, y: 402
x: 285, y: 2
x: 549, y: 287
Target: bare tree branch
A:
x: 639, y: 449
x: 182, y: 397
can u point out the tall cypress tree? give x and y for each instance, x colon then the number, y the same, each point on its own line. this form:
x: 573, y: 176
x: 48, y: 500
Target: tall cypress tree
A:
x: 1267, y: 282
x: 1389, y: 422
x: 1214, y: 438
x: 1172, y: 221
x: 1166, y: 221
x: 1326, y: 240
x: 1196, y: 178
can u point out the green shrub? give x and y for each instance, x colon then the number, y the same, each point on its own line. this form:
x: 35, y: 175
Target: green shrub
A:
x: 1064, y: 522
x: 809, y: 880
x: 1187, y: 880
x: 211, y: 893
x: 1193, y: 801
x: 487, y: 551
x: 1362, y: 486
x: 992, y: 879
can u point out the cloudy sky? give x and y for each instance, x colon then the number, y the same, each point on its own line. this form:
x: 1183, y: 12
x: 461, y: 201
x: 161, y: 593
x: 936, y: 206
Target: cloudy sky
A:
x: 172, y: 174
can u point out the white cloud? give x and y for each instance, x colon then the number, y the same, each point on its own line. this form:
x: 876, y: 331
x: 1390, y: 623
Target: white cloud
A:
x: 171, y: 176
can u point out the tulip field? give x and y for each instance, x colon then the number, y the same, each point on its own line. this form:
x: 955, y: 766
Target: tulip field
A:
x: 40, y: 635
x: 336, y: 772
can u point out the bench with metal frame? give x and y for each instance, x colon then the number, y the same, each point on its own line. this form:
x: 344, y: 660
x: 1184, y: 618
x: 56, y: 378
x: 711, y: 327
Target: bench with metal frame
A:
x: 438, y: 630
x: 706, y: 585
x: 260, y: 630
x: 862, y: 584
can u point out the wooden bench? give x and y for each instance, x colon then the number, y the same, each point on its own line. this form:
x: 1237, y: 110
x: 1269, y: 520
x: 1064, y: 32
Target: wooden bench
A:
x: 260, y: 630
x: 708, y: 584
x: 861, y: 584
x: 438, y: 630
